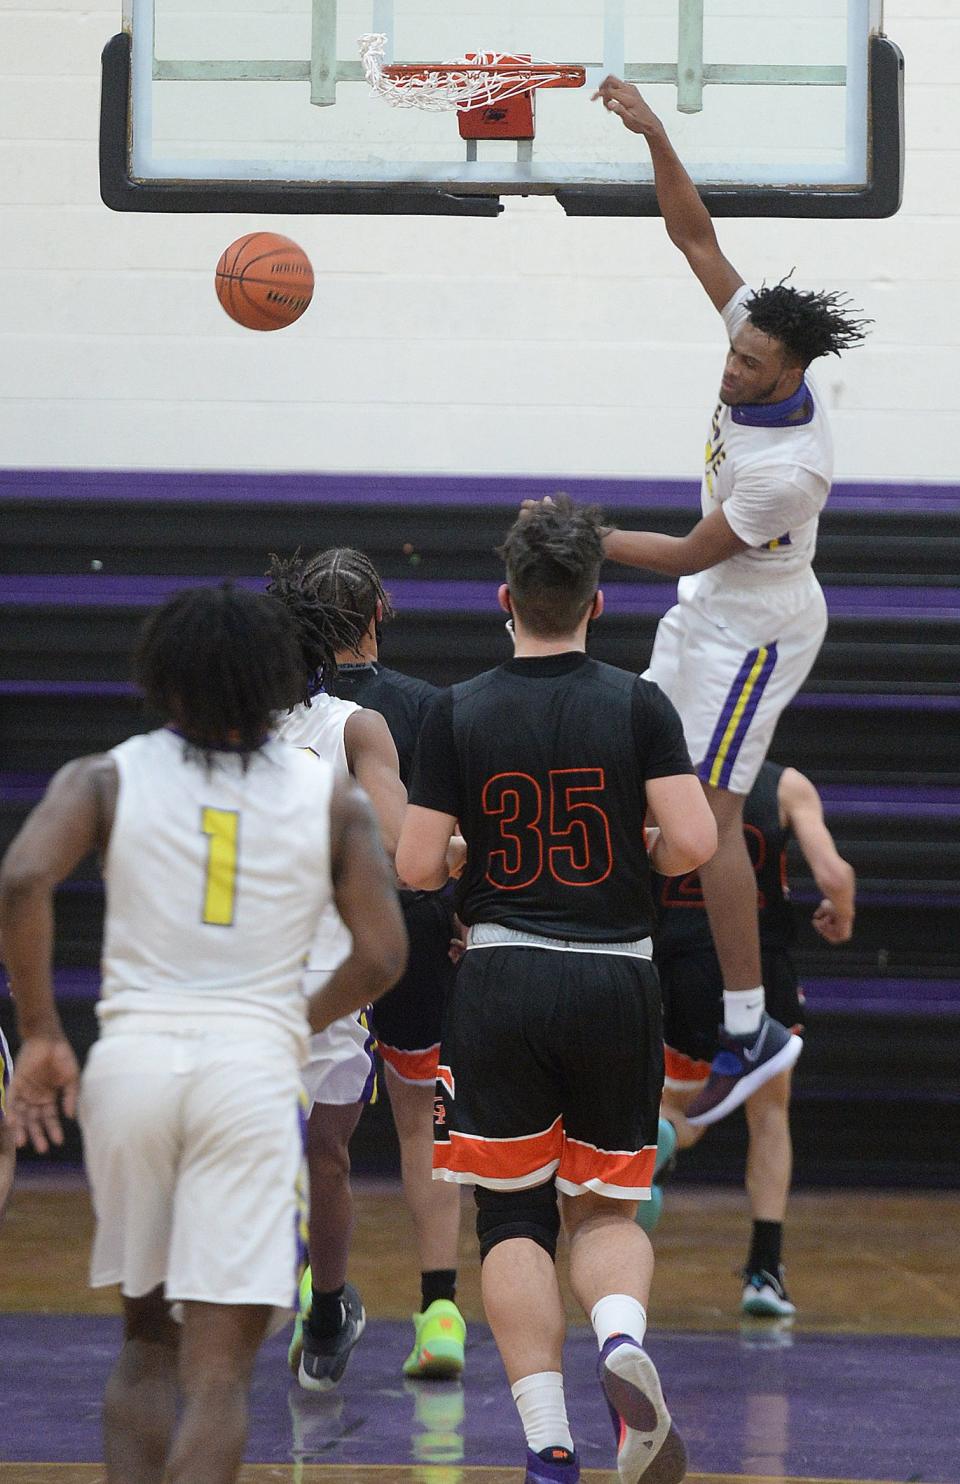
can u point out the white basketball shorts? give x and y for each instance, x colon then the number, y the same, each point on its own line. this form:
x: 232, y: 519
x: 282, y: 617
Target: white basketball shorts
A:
x: 730, y: 684
x: 340, y: 1066
x: 193, y: 1145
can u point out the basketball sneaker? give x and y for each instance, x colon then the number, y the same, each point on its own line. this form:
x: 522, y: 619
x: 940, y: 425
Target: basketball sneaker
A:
x: 304, y: 1300
x: 765, y: 1297
x: 552, y: 1466
x: 648, y: 1212
x: 323, y: 1362
x: 438, y: 1344
x: 743, y: 1064
x: 648, y: 1445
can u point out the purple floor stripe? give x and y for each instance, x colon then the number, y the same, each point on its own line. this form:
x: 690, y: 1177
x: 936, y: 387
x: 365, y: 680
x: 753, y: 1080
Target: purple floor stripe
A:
x: 762, y: 1401
x: 624, y: 597
x: 154, y: 486
x: 854, y: 799
x: 918, y: 996
x: 806, y: 700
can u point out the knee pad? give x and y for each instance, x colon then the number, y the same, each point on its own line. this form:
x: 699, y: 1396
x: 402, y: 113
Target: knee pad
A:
x: 502, y: 1214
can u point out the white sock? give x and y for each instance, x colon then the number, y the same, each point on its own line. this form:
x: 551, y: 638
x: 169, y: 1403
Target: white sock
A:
x: 543, y: 1411
x: 618, y: 1314
x: 742, y: 1010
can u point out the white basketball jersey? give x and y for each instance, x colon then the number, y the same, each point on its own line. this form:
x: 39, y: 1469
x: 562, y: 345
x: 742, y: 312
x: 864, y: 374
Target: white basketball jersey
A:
x: 216, y: 879
x: 320, y: 727
x: 770, y: 467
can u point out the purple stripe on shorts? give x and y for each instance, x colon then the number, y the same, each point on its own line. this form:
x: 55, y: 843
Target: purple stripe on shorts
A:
x: 748, y: 714
x: 703, y: 768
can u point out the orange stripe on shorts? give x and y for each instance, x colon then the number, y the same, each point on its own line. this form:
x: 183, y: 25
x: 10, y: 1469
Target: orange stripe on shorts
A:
x: 580, y: 1163
x: 682, y: 1068
x: 499, y: 1159
x: 412, y: 1066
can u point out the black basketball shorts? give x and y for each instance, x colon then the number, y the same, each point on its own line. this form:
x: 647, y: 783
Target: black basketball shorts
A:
x: 693, y: 1009
x: 551, y: 1065
x: 408, y: 1020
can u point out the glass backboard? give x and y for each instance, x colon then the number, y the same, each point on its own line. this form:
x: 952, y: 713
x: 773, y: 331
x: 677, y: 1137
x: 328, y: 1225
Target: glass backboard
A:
x: 777, y: 107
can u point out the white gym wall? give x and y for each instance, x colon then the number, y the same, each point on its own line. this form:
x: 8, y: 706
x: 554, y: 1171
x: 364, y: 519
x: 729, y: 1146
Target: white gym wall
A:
x: 532, y: 344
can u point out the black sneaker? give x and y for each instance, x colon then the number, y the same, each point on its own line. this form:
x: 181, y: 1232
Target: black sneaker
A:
x: 323, y: 1362
x: 743, y: 1064
x: 765, y: 1297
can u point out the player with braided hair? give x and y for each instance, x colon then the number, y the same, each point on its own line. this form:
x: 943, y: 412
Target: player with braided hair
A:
x: 340, y: 603
x: 750, y: 615
x: 339, y: 1076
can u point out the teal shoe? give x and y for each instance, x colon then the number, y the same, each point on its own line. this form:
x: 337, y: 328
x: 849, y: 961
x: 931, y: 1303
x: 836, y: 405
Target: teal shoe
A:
x: 648, y: 1212
x: 666, y: 1145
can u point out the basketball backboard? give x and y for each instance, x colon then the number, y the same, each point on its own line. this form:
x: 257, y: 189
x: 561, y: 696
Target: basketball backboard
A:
x: 777, y: 107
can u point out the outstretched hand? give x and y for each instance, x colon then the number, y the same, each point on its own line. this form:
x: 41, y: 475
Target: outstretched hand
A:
x: 45, y: 1081
x: 627, y: 102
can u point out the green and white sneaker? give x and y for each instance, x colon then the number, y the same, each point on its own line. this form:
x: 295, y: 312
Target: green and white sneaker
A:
x: 305, y: 1299
x: 439, y: 1336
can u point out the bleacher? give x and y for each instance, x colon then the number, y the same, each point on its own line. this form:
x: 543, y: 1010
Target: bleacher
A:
x: 877, y: 726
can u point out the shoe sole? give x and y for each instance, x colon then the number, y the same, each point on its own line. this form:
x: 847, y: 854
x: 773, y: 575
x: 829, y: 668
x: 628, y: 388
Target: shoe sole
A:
x: 632, y: 1387
x: 445, y: 1362
x: 767, y: 1309
x: 786, y: 1057
x: 327, y: 1383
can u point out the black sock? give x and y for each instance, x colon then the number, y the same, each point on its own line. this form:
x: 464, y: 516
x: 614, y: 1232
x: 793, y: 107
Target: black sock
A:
x: 437, y: 1283
x: 326, y: 1314
x: 765, y: 1247
x: 556, y: 1455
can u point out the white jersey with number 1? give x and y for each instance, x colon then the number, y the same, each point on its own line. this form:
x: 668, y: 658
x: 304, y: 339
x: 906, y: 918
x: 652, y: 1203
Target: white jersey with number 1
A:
x: 216, y: 878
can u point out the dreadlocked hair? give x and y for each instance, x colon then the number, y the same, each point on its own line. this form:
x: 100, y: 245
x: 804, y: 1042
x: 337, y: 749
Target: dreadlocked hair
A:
x: 220, y: 662
x: 807, y: 324
x: 553, y: 555
x: 323, y: 626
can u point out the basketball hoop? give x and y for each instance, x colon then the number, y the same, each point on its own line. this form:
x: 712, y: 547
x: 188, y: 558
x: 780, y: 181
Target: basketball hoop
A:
x: 476, y: 80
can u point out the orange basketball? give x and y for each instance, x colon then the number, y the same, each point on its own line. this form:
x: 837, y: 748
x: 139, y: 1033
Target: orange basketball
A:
x: 264, y: 281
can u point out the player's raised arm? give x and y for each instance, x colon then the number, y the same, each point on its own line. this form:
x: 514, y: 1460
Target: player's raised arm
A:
x: 711, y: 540
x: 802, y: 809
x: 688, y: 222
x: 366, y: 899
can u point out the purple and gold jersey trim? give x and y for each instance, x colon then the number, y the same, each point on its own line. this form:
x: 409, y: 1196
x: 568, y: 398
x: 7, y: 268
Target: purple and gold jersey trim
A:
x: 6, y: 1066
x: 743, y: 698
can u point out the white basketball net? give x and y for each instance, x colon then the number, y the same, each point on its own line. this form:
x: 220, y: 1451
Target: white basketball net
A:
x: 456, y: 87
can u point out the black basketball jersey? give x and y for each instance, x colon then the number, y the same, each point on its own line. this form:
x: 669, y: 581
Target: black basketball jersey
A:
x: 682, y: 925
x: 543, y: 761
x: 401, y: 700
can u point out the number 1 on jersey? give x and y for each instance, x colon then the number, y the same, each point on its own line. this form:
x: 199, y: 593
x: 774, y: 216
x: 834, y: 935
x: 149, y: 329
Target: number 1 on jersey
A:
x: 223, y: 828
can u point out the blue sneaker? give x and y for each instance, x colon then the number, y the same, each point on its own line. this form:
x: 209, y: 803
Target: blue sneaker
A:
x: 648, y: 1445
x: 552, y: 1466
x: 743, y: 1064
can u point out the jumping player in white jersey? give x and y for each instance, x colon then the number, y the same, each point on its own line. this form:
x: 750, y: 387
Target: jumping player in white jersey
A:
x: 750, y: 615
x: 221, y: 847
